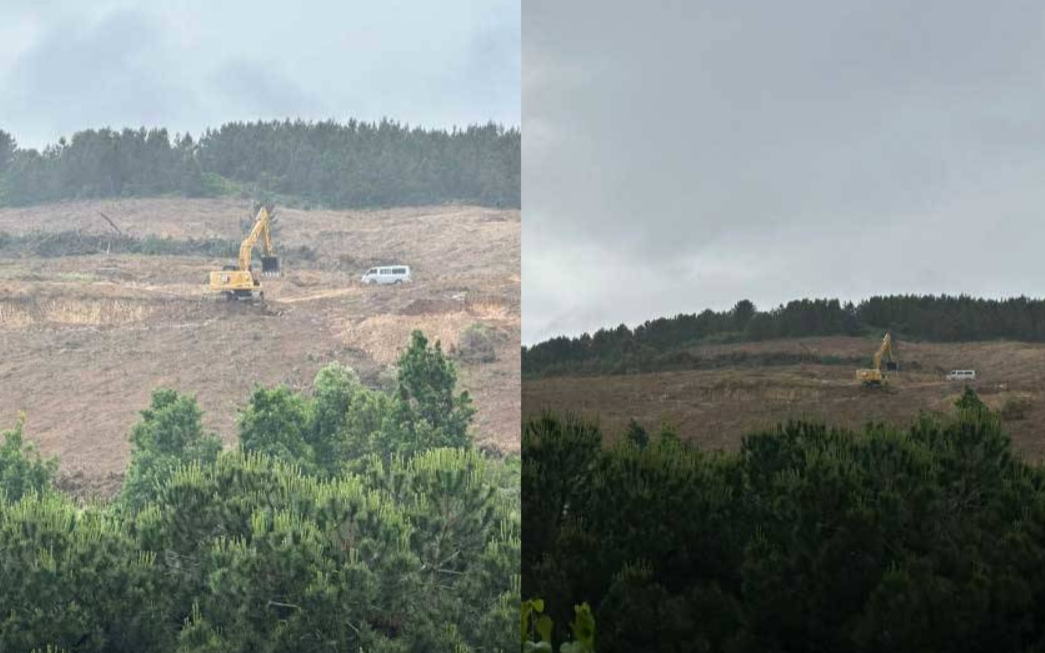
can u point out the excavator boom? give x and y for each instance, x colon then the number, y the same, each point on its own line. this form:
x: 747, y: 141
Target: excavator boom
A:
x: 262, y: 230
x: 240, y: 281
x: 874, y: 376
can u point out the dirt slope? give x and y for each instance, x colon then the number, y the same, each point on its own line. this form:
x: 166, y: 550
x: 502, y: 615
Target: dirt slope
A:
x: 84, y: 340
x: 718, y: 407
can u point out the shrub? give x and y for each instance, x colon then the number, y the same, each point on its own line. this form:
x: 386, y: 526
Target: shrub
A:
x: 1015, y: 408
x: 169, y: 435
x: 22, y: 469
x: 477, y: 344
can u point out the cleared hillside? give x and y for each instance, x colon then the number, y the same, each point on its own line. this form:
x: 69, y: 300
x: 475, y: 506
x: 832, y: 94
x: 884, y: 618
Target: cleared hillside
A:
x: 84, y: 339
x: 717, y: 407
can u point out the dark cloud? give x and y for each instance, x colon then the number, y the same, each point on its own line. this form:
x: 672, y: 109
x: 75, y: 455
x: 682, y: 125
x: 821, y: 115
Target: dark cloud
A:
x: 719, y: 150
x: 105, y: 72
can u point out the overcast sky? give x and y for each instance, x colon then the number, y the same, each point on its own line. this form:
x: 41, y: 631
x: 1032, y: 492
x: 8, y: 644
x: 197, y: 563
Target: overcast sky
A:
x: 188, y: 64
x: 683, y: 155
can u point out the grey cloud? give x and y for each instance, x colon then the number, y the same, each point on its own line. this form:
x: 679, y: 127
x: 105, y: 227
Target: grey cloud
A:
x: 778, y: 150
x: 195, y: 64
x: 90, y: 74
x: 259, y: 90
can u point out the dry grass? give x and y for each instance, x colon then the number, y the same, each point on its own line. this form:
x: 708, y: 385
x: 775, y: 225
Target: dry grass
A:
x: 112, y: 328
x: 716, y: 408
x: 76, y: 312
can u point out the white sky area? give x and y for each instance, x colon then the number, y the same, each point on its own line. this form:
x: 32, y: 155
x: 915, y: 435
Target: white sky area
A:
x: 190, y: 64
x: 679, y: 156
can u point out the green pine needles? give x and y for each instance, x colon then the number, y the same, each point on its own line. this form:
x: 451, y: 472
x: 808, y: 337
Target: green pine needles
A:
x: 312, y: 535
x: 924, y: 538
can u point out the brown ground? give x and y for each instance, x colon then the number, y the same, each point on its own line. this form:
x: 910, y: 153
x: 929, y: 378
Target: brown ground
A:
x: 84, y: 340
x: 717, y: 408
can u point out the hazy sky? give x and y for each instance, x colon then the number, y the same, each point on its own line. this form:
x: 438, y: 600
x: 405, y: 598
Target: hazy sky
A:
x: 683, y: 155
x: 188, y: 64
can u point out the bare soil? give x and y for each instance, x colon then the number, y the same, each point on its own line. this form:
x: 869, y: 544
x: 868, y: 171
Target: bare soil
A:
x: 717, y: 408
x: 84, y: 340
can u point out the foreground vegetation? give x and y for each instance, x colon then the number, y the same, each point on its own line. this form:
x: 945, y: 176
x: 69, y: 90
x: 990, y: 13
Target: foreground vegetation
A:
x: 665, y: 343
x: 339, y: 165
x: 348, y: 519
x: 807, y: 539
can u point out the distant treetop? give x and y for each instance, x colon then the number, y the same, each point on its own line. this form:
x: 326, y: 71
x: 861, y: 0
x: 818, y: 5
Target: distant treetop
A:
x: 663, y: 343
x: 340, y: 165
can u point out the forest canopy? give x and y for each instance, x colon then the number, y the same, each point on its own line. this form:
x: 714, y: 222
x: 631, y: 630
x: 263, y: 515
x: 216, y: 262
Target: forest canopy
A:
x: 663, y: 343
x: 809, y: 538
x: 338, y: 165
x: 346, y: 519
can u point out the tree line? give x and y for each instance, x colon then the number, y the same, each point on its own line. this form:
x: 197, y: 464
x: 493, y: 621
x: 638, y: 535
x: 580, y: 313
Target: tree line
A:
x: 809, y: 538
x: 347, y: 519
x: 339, y: 165
x: 662, y: 343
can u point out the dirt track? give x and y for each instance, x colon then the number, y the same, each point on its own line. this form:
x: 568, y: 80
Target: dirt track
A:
x: 718, y: 407
x: 84, y: 340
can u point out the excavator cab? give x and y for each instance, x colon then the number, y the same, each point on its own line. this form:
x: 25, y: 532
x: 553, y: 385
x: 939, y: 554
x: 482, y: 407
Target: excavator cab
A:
x: 270, y: 266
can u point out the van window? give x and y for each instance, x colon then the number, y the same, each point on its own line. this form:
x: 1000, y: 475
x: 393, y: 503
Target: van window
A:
x: 398, y: 270
x: 372, y: 271
x: 386, y: 271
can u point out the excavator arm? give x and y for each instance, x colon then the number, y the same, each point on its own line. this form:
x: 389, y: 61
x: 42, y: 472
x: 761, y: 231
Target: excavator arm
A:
x: 241, y: 282
x: 262, y: 229
x: 874, y: 376
x: 885, y: 350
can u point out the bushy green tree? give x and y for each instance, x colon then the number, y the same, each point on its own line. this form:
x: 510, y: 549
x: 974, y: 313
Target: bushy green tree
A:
x: 276, y: 422
x: 334, y: 390
x: 168, y: 435
x: 636, y: 434
x: 73, y: 578
x: 808, y: 538
x: 428, y: 412
x: 7, y: 151
x: 22, y: 469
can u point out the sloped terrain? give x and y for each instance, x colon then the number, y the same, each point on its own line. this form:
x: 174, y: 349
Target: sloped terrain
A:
x: 717, y: 407
x: 85, y: 339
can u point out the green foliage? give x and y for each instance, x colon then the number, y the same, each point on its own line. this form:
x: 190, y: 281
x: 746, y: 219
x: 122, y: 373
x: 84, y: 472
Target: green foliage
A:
x: 350, y: 165
x: 75, y: 243
x: 275, y: 422
x: 7, y: 152
x: 311, y: 536
x: 73, y: 579
x: 427, y: 412
x: 808, y: 538
x: 537, y: 629
x: 668, y: 343
x: 169, y: 435
x: 22, y: 469
x: 636, y: 434
x: 343, y: 422
x: 334, y: 391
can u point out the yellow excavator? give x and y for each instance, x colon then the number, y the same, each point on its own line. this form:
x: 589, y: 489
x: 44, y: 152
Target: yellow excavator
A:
x: 874, y: 377
x: 240, y: 281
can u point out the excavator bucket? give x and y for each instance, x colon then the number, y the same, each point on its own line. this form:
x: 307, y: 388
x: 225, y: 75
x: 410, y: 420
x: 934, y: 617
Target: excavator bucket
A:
x: 270, y: 266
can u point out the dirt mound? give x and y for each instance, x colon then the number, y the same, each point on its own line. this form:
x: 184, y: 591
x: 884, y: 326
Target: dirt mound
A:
x: 431, y: 307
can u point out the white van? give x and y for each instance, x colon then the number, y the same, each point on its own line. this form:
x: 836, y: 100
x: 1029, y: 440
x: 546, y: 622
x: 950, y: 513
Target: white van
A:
x: 961, y: 375
x: 387, y: 275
